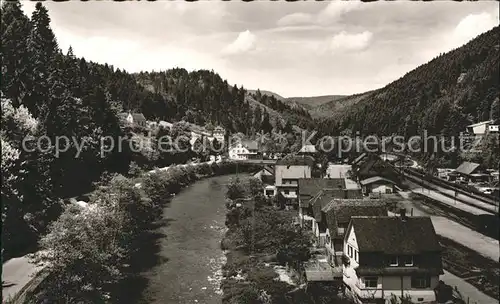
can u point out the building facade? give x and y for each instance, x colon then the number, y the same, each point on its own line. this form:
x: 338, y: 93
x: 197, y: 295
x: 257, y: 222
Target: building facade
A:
x: 388, y: 256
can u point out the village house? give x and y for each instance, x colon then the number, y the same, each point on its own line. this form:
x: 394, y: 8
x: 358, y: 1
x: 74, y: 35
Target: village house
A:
x: 310, y: 188
x: 133, y: 119
x: 288, y: 171
x: 266, y: 175
x: 391, y: 255
x: 472, y: 172
x: 317, y: 207
x: 482, y: 128
x: 243, y: 150
x: 375, y: 167
x: 337, y: 215
x: 377, y: 185
x: 326, y: 264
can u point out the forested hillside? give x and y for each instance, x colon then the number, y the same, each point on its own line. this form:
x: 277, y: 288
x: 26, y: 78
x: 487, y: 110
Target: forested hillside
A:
x: 314, y: 101
x: 442, y: 96
x: 73, y: 105
x: 203, y: 96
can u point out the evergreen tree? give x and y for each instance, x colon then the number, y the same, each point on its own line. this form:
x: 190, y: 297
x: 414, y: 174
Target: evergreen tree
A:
x: 15, y: 57
x: 266, y: 126
x: 42, y: 47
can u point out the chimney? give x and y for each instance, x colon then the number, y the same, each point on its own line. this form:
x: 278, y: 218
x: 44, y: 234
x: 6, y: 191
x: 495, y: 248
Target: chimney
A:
x: 402, y: 213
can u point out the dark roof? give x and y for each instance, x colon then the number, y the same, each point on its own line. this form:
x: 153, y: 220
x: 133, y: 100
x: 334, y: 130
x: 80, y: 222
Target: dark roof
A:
x: 392, y: 235
x: 309, y: 187
x: 250, y: 144
x: 376, y: 167
x: 138, y: 117
x: 291, y: 160
x: 467, y: 168
x: 265, y: 168
x: 321, y: 199
x: 340, y: 211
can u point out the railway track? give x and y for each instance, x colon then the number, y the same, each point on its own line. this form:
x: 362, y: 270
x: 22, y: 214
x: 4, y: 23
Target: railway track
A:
x: 461, y: 196
x: 481, y: 197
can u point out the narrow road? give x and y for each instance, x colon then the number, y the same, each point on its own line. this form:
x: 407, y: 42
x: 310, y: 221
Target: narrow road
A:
x: 471, y: 294
x: 486, y: 246
x: 16, y: 273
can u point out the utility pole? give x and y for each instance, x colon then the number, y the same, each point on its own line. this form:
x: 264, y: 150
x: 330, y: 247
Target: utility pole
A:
x: 253, y: 226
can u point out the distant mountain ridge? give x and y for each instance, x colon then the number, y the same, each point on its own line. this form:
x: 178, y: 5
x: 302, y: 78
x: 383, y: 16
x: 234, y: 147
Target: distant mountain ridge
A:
x: 304, y: 102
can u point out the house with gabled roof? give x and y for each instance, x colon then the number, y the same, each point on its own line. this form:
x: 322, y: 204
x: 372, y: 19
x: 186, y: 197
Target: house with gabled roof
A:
x: 373, y: 167
x: 472, y: 172
x: 266, y: 175
x: 311, y: 189
x: 244, y: 149
x: 133, y: 119
x: 391, y: 255
x: 327, y: 227
x: 483, y: 127
x: 378, y: 184
x: 337, y: 215
x: 288, y: 171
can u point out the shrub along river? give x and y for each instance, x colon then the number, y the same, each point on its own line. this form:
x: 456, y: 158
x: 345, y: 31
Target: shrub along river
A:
x: 187, y: 262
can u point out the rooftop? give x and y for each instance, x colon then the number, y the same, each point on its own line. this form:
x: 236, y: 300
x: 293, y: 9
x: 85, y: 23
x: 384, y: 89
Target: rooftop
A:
x: 375, y: 179
x: 393, y: 235
x: 467, y: 167
x: 480, y: 123
x: 296, y: 160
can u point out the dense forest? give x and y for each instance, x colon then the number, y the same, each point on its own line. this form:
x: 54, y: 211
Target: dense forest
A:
x: 47, y: 93
x: 443, y: 96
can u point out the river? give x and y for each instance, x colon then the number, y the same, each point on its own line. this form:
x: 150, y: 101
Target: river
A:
x: 188, y: 268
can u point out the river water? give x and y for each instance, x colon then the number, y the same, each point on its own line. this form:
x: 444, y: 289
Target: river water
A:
x: 189, y: 251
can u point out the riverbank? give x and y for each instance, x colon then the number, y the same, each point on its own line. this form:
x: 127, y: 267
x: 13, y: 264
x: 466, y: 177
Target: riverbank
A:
x: 139, y: 206
x: 261, y: 244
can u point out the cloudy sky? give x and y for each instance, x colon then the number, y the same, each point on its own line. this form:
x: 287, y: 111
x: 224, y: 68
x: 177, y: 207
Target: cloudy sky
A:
x: 294, y: 49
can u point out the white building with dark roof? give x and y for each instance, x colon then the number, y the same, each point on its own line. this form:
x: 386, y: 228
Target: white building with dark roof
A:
x: 387, y: 256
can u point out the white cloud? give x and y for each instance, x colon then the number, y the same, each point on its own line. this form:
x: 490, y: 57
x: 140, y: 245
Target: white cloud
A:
x: 471, y: 26
x: 244, y: 43
x: 295, y: 19
x: 350, y: 42
x: 336, y: 9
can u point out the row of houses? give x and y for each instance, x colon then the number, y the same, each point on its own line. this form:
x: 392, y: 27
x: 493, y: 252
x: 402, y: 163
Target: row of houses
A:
x: 358, y: 245
x: 137, y: 120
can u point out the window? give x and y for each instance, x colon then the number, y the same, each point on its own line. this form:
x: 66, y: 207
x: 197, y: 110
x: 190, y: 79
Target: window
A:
x: 408, y: 260
x: 393, y: 260
x: 420, y: 282
x: 269, y: 192
x: 371, y: 282
x: 355, y: 255
x: 328, y: 239
x: 287, y: 192
x: 349, y: 250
